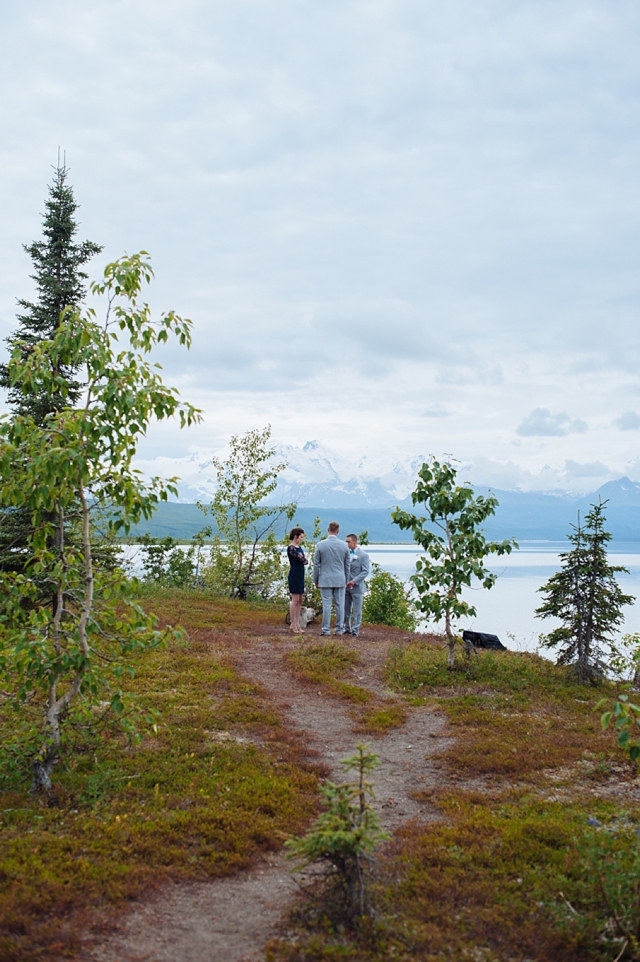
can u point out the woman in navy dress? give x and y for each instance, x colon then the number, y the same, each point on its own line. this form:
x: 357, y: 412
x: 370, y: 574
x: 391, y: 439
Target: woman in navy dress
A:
x: 297, y: 562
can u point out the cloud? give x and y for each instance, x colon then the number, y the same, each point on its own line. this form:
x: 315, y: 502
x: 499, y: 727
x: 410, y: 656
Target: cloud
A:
x: 576, y: 476
x: 628, y: 421
x: 508, y: 475
x: 406, y: 192
x: 542, y: 423
x: 590, y: 469
x: 436, y: 411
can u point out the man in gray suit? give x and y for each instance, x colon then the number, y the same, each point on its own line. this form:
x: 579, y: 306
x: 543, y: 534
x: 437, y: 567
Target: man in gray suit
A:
x: 331, y: 566
x: 354, y: 595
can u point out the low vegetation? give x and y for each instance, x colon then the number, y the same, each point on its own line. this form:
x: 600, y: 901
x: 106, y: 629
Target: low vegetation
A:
x: 332, y: 666
x: 532, y: 852
x: 219, y: 781
x: 326, y: 663
x: 388, y: 602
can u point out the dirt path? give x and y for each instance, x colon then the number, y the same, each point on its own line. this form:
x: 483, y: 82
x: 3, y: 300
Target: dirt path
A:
x: 231, y: 919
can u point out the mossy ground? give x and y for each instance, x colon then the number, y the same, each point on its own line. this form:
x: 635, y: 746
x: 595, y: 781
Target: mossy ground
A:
x: 223, y: 779
x: 326, y: 664
x: 218, y: 782
x: 528, y: 766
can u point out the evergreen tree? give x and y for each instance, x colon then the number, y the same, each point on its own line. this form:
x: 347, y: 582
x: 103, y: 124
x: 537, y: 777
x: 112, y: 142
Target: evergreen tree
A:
x: 587, y: 599
x: 60, y: 283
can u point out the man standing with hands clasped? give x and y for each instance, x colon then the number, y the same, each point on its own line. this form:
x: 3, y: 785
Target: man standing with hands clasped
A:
x: 354, y: 595
x: 331, y: 566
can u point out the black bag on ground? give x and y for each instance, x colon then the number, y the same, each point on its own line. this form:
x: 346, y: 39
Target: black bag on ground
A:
x: 480, y: 639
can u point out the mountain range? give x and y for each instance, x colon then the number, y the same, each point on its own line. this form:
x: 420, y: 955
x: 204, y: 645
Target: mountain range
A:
x: 360, y: 493
x: 314, y: 475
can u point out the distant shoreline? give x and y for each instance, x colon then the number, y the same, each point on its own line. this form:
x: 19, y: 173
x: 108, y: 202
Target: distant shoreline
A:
x: 548, y: 520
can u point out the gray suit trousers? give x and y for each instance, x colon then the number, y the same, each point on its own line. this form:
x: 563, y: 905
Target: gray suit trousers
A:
x: 353, y: 599
x: 335, y: 595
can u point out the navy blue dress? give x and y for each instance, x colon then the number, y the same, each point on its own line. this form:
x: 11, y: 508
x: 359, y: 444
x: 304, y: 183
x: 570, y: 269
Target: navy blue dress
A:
x: 297, y: 561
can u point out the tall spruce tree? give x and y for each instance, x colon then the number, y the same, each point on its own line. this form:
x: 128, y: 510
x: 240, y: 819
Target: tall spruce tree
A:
x: 60, y: 283
x: 587, y: 599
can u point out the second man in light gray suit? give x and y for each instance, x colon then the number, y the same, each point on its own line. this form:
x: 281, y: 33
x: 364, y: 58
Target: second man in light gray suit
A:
x: 331, y: 571
x: 359, y: 571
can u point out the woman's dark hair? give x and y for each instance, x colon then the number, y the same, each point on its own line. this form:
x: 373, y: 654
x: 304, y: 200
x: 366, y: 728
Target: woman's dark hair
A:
x: 295, y: 532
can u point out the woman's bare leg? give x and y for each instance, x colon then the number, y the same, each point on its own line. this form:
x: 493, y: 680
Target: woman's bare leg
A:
x: 294, y: 611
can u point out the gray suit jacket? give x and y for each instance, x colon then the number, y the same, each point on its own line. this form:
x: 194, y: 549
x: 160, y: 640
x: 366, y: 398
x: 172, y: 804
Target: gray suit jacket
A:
x: 360, y: 568
x: 331, y: 563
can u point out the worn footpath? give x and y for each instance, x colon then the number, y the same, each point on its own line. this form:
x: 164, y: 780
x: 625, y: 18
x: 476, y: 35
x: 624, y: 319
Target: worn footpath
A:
x: 231, y: 919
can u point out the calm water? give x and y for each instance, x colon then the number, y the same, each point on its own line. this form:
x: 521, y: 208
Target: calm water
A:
x: 507, y: 610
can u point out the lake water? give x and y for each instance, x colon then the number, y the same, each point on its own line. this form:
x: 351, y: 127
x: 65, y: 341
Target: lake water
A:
x: 507, y: 609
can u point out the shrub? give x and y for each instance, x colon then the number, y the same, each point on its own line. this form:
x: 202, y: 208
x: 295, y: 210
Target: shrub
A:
x: 607, y: 908
x: 388, y: 602
x: 165, y: 563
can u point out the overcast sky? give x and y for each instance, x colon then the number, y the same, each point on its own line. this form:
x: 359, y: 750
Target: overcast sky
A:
x: 399, y: 224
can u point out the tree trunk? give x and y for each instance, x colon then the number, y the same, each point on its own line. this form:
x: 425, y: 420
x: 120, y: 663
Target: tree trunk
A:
x: 451, y: 655
x: 41, y: 771
x: 43, y: 765
x: 57, y: 706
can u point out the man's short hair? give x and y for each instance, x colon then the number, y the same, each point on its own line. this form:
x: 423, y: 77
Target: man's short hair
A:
x: 354, y: 536
x: 334, y: 527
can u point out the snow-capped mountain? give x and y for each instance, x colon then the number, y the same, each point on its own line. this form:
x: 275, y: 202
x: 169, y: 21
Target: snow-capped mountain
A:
x: 315, y: 475
x: 321, y: 477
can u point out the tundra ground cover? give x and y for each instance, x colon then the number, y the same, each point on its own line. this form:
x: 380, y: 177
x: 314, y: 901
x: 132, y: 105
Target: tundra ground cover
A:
x: 217, y: 783
x: 334, y: 666
x: 501, y: 874
x: 496, y: 875
x: 224, y: 779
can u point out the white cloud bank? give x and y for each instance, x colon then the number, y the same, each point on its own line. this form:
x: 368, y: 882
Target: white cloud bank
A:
x: 399, y: 225
x: 542, y: 423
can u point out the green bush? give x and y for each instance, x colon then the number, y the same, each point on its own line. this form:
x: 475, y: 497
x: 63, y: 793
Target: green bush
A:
x: 388, y: 602
x: 165, y: 563
x: 605, y: 909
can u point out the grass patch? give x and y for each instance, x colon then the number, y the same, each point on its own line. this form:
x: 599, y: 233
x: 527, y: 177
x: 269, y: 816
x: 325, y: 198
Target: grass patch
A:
x: 222, y: 780
x: 381, y: 718
x: 422, y: 666
x: 323, y: 664
x: 219, y: 782
x: 512, y: 714
x: 479, y: 886
x: 483, y: 884
x: 203, y: 609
